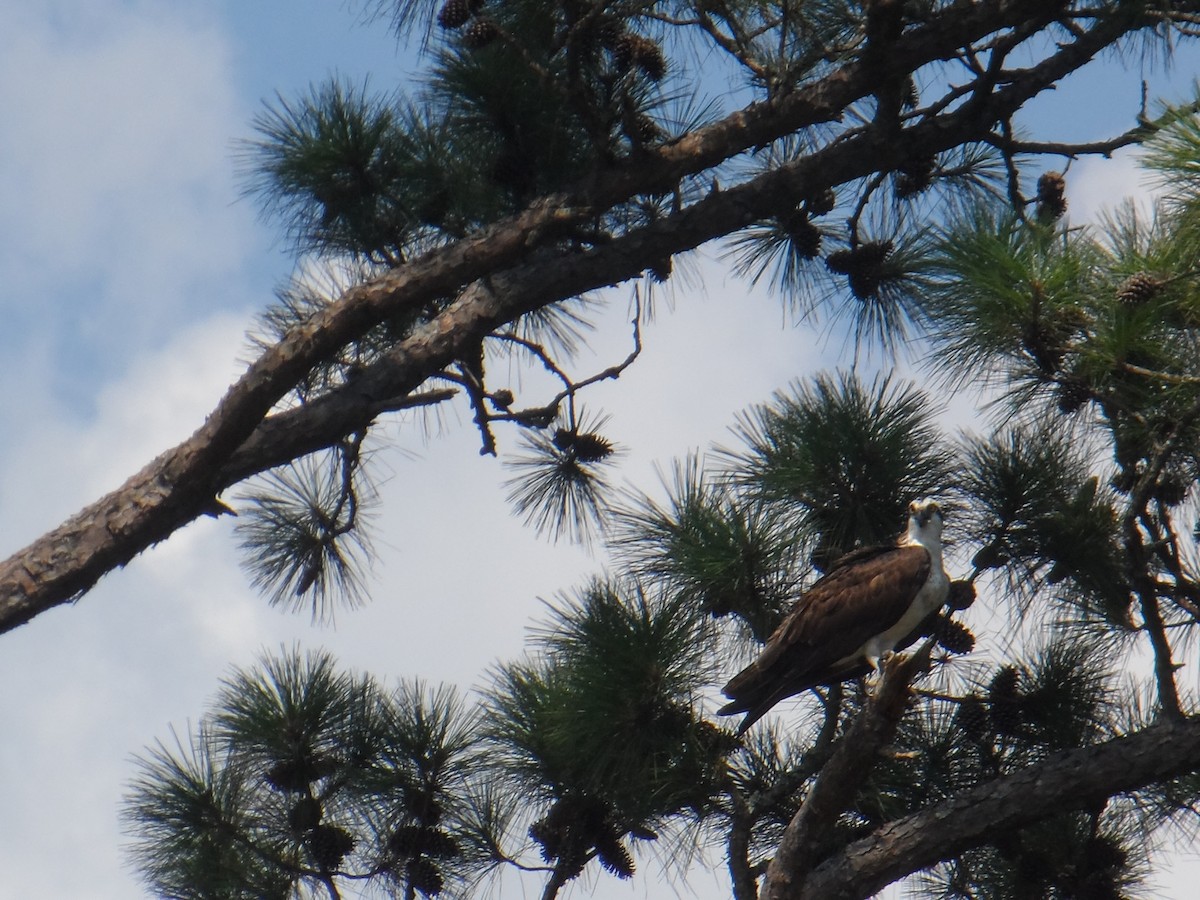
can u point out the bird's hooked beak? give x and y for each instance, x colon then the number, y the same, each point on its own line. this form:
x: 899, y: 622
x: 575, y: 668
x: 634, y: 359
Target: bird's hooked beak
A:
x: 923, y: 511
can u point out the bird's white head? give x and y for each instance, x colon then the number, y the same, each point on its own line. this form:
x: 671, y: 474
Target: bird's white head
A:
x: 924, y: 523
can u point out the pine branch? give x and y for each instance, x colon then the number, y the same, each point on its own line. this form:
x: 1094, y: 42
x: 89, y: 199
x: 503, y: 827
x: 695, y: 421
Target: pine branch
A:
x: 1076, y: 779
x: 737, y: 852
x: 851, y: 761
x: 176, y: 487
x: 1138, y: 556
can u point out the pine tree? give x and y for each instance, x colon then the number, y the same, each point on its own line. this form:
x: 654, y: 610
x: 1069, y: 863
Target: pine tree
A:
x: 598, y: 745
x: 549, y: 155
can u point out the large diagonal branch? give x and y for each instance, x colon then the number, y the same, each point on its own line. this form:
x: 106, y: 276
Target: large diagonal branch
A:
x: 180, y: 484
x: 1076, y: 779
x: 540, y: 282
x: 852, y: 759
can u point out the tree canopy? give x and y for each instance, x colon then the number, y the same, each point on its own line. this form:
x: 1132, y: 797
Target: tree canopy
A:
x: 867, y: 159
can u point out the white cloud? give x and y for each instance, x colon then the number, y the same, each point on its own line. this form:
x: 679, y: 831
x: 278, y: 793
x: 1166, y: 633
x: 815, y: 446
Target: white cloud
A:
x: 117, y: 234
x: 117, y: 179
x: 1096, y: 184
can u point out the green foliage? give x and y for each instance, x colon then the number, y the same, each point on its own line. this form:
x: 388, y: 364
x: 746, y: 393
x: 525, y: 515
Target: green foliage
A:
x: 887, y: 279
x: 520, y: 99
x: 297, y: 717
x: 1068, y: 856
x: 596, y: 742
x: 603, y: 724
x: 189, y: 808
x: 1041, y: 517
x: 304, y: 774
x: 603, y: 712
x: 334, y: 167
x: 516, y: 130
x: 559, y: 484
x: 724, y: 554
x: 302, y: 532
x: 1012, y: 295
x: 846, y: 456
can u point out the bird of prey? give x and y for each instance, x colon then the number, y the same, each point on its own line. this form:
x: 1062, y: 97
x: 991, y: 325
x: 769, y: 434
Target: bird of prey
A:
x: 870, y: 602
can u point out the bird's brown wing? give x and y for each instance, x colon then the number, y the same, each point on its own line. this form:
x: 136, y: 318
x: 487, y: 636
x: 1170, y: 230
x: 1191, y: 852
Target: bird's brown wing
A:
x: 836, y: 616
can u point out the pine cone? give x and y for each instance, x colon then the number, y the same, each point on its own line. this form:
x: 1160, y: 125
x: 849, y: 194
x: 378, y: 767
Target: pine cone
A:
x: 1073, y: 393
x: 1044, y: 346
x: 1051, y: 197
x: 623, y: 47
x: 328, y: 845
x: 295, y: 775
x: 915, y: 176
x: 972, y: 717
x: 1171, y: 489
x: 1139, y: 288
x: 962, y: 594
x: 803, y: 235
x: 481, y: 33
x: 648, y: 57
x: 642, y: 129
x: 553, y: 830
x: 629, y: 50
x: 1004, y: 700
x: 1124, y: 480
x: 411, y: 841
x: 863, y: 265
x: 990, y: 556
x: 954, y: 637
x: 305, y: 814
x: 615, y: 857
x: 424, y: 877
x: 822, y: 203
x: 455, y: 13
x: 840, y: 261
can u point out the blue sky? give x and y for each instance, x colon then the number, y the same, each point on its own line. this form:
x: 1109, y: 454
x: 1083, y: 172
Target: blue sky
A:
x: 132, y: 269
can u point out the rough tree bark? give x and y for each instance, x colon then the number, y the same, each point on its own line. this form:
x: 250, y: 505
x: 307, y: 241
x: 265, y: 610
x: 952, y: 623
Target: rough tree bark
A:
x: 1076, y: 779
x: 852, y: 759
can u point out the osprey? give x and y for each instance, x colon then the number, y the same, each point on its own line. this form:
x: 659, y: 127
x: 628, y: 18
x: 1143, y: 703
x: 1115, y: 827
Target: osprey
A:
x: 869, y: 603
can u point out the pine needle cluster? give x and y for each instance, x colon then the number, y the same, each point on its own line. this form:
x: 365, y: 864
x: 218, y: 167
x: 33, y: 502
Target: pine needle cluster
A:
x: 303, y: 775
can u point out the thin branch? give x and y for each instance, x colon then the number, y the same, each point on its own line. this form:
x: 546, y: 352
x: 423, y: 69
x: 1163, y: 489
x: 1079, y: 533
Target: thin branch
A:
x: 1165, y: 377
x: 351, y: 454
x: 1013, y: 174
x: 1137, y: 555
x: 471, y: 370
x: 524, y: 867
x: 852, y: 223
x: 573, y: 387
x: 1154, y: 626
x: 737, y: 848
x: 1145, y: 129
